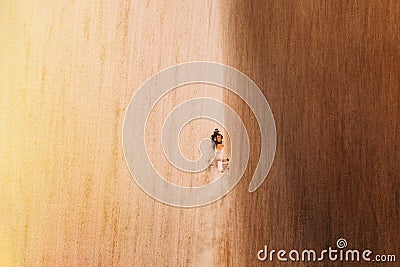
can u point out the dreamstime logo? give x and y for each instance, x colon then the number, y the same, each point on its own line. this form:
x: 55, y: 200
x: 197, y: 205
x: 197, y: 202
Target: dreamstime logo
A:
x: 332, y: 254
x: 341, y: 243
x: 154, y: 89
